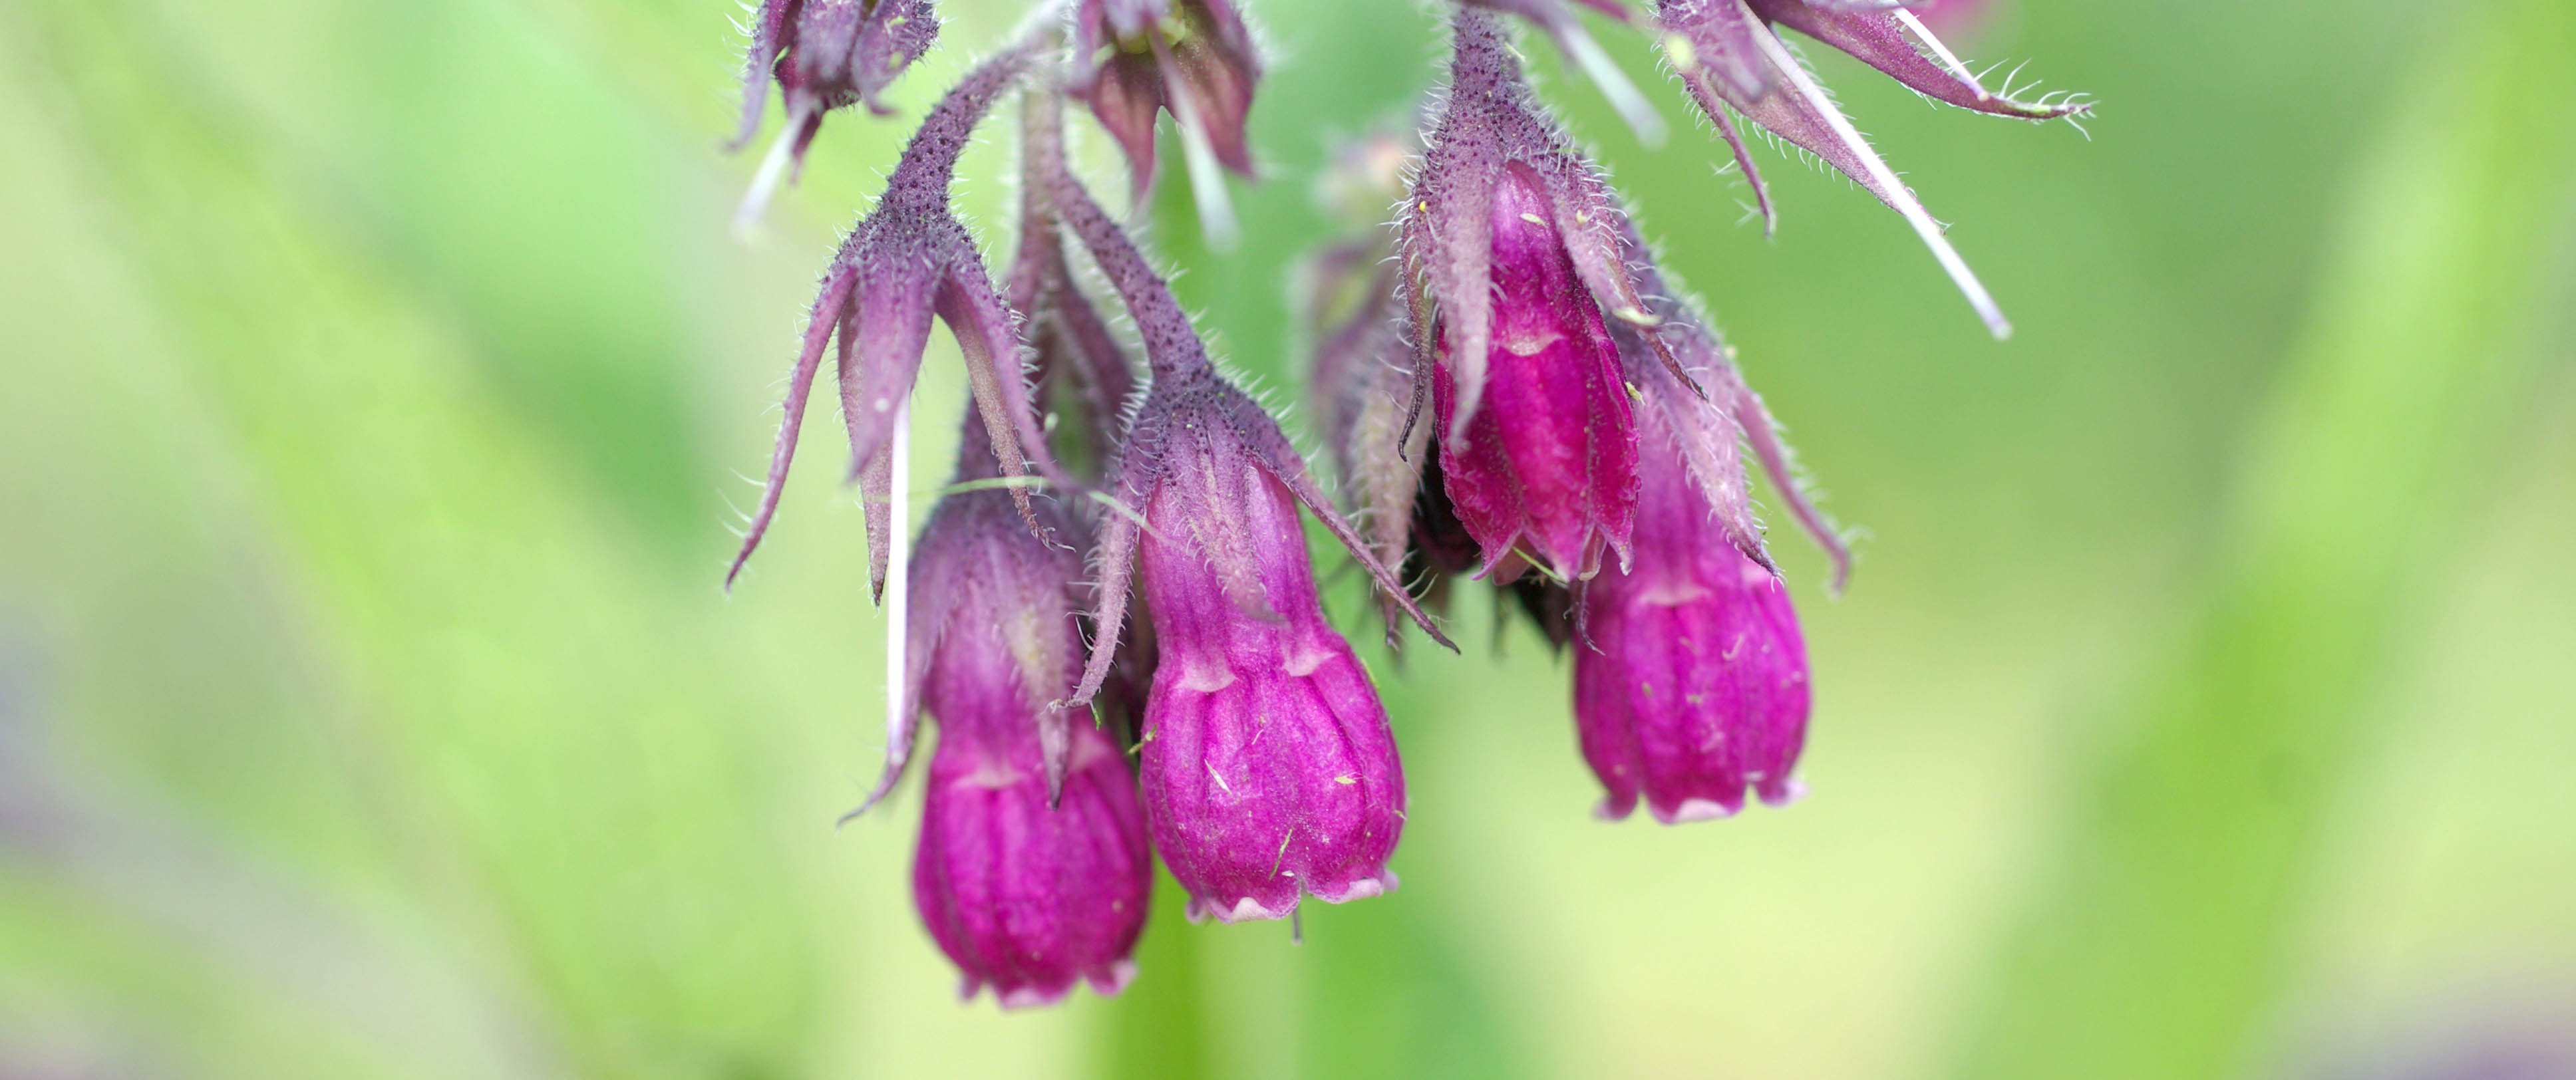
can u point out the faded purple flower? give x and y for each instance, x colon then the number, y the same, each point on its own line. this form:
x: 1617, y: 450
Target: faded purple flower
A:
x: 824, y: 54
x: 1730, y: 56
x: 1268, y: 766
x: 907, y: 261
x: 1032, y: 869
x: 1191, y: 58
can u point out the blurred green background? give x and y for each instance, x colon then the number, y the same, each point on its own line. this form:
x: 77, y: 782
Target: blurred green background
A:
x: 380, y: 383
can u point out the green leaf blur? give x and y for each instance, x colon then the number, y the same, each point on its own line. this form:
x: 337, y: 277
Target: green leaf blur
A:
x: 381, y: 382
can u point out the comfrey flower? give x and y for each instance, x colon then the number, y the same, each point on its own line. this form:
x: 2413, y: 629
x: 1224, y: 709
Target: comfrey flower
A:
x: 1032, y: 871
x: 1191, y: 58
x: 905, y: 262
x: 1690, y: 677
x: 1511, y: 243
x: 1505, y: 380
x: 1690, y: 680
x: 824, y: 54
x: 1268, y: 767
x: 1730, y: 56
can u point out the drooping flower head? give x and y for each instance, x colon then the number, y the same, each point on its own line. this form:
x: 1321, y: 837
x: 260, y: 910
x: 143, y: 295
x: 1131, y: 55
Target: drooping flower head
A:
x: 1032, y: 869
x: 907, y: 261
x: 1730, y: 56
x: 1191, y: 58
x: 1510, y: 242
x: 824, y: 54
x: 1691, y: 681
x: 1267, y: 764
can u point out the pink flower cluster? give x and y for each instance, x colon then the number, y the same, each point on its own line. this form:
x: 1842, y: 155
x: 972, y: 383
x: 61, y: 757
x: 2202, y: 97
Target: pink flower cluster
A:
x: 1112, y: 613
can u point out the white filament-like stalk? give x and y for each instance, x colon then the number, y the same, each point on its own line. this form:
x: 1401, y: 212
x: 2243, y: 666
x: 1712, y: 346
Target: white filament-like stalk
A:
x: 898, y: 569
x: 773, y: 167
x: 1906, y: 204
x: 1631, y: 105
x: 1923, y: 34
x: 1207, y: 176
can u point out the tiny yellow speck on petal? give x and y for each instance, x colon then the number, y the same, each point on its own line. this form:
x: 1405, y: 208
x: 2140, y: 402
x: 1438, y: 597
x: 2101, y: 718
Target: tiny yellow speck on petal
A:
x: 1678, y: 48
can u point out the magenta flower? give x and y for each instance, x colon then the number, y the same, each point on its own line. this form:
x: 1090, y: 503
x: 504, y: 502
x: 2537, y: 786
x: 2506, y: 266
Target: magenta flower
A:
x: 824, y: 54
x: 1191, y: 58
x: 1032, y: 869
x: 907, y: 261
x: 1546, y: 471
x: 1268, y: 767
x: 1729, y: 56
x: 1512, y: 245
x: 1690, y: 679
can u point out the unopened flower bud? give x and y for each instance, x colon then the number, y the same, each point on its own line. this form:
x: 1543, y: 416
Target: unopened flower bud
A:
x: 1032, y: 870
x: 1025, y: 897
x: 1690, y: 679
x: 1267, y: 764
x: 1546, y: 470
x: 1690, y: 676
x: 1512, y: 248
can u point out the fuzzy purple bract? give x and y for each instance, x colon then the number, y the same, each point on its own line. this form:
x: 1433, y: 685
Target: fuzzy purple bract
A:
x: 907, y: 261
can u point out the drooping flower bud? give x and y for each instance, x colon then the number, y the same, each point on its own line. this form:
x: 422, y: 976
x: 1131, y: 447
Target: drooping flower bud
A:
x: 1690, y: 675
x: 1729, y: 56
x: 1690, y: 679
x: 824, y: 54
x: 1268, y: 766
x: 907, y: 261
x: 1191, y: 58
x: 1546, y: 471
x: 1511, y: 246
x: 1032, y: 869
